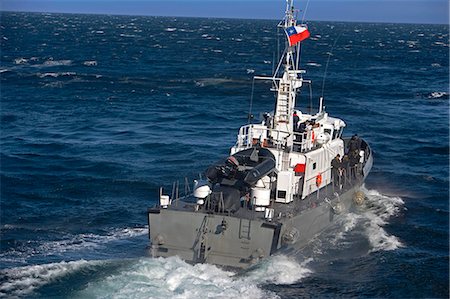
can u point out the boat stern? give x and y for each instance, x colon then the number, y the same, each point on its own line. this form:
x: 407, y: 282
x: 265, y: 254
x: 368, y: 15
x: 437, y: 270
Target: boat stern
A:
x: 199, y: 237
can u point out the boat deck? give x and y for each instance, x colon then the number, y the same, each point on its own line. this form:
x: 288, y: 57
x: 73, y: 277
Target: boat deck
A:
x: 281, y: 210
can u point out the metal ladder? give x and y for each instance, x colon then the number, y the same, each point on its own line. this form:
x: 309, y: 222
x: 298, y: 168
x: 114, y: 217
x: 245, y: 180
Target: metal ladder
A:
x: 283, y: 103
x: 203, y: 250
x: 244, y: 228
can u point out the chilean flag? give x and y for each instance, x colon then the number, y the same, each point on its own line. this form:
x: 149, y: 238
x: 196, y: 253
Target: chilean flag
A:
x: 296, y: 34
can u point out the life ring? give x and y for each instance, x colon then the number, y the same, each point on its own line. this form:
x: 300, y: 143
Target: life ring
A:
x: 319, y: 180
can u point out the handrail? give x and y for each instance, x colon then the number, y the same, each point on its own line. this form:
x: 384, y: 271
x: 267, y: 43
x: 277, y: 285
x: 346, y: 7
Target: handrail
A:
x: 245, y: 138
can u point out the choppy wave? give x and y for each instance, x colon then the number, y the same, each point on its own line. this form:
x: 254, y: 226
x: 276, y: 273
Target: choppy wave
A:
x: 173, y: 278
x: 369, y: 222
x: 371, y: 219
x: 90, y: 63
x: 50, y: 63
x: 56, y: 75
x: 158, y: 278
x: 379, y: 209
x: 172, y: 88
x: 68, y: 244
x: 85, y: 241
x: 20, y: 60
x: 438, y: 95
x: 22, y: 281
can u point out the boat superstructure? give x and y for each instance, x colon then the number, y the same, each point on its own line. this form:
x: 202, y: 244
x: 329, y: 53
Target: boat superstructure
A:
x: 283, y: 182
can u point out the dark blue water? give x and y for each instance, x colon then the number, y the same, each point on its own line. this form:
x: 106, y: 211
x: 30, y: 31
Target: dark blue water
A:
x: 98, y: 111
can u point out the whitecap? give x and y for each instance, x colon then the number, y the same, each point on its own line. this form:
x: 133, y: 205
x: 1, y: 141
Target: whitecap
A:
x: 279, y: 269
x: 68, y: 74
x: 128, y: 35
x: 54, y: 75
x: 20, y: 60
x: 71, y: 243
x: 438, y: 95
x: 379, y: 208
x: 348, y: 222
x: 64, y: 62
x: 89, y: 241
x: 250, y: 71
x: 440, y: 44
x: 57, y: 84
x: 314, y: 64
x: 199, y: 84
x: 22, y: 281
x: 368, y: 223
x: 90, y: 63
x: 267, y: 62
x: 170, y: 29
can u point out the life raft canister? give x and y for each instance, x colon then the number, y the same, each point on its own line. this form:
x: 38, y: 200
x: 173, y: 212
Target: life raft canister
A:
x: 319, y: 180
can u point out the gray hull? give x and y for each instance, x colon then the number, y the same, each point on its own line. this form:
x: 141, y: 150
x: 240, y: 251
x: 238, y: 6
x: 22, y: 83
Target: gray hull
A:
x: 240, y: 242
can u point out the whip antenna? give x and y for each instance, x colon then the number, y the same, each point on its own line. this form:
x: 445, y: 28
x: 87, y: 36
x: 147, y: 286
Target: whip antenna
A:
x: 328, y: 61
x: 304, y: 12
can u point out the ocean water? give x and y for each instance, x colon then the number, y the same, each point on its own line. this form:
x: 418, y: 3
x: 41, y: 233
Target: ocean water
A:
x: 97, y: 112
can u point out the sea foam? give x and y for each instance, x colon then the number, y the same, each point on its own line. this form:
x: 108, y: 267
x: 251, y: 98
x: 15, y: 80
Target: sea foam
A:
x: 174, y: 278
x: 22, y: 281
x: 369, y: 221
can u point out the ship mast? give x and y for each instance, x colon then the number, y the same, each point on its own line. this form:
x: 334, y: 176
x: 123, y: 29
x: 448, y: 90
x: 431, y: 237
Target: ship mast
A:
x: 289, y: 21
x: 291, y: 79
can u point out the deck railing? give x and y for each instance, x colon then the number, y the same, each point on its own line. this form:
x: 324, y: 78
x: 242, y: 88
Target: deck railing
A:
x: 251, y: 135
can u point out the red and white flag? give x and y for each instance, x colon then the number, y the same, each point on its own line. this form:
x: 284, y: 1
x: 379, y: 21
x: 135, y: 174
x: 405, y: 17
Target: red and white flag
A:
x: 296, y: 34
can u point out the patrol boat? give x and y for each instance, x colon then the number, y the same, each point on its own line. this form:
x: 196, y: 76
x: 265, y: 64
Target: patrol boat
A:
x: 276, y: 190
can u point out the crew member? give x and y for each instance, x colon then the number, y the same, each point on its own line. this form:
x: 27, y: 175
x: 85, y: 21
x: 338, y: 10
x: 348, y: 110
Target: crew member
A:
x: 335, y: 170
x: 354, y: 159
x: 346, y: 168
x: 245, y: 200
x: 295, y: 119
x: 354, y: 145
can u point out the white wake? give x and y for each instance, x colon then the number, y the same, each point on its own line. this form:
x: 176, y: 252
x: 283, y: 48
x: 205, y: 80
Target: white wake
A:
x: 157, y: 278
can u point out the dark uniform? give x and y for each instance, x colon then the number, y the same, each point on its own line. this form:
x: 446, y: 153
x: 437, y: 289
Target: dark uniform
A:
x: 346, y: 167
x: 296, y: 119
x: 354, y: 160
x: 335, y: 167
x: 354, y: 145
